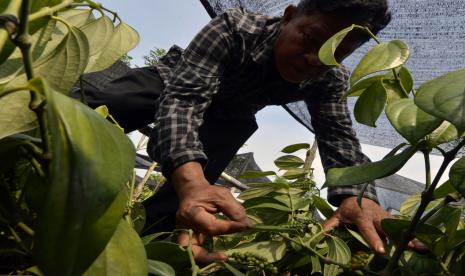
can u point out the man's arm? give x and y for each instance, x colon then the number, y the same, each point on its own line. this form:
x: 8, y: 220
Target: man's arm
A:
x: 339, y: 147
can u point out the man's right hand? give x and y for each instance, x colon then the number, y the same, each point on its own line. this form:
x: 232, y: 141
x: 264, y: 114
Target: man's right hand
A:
x: 198, y: 203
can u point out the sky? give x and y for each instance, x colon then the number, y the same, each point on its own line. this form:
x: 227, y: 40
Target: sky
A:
x: 162, y: 23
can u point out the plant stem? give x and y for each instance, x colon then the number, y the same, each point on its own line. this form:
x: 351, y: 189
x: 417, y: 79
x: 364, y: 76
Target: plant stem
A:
x: 427, y: 169
x: 5, y: 33
x: 138, y: 189
x: 13, y: 90
x: 26, y: 228
x: 208, y: 267
x: 426, y: 198
x: 49, y: 11
x: 194, y: 266
x: 23, y: 40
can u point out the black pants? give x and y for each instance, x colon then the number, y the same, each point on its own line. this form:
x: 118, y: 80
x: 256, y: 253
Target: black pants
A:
x: 131, y: 101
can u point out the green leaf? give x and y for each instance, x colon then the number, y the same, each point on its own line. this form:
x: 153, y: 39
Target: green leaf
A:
x: 422, y: 264
x: 410, y: 205
x: 265, y: 202
x: 160, y: 268
x: 149, y: 238
x: 123, y: 39
x: 393, y: 90
x: 356, y: 175
x: 362, y: 85
x: 370, y: 104
x: 15, y: 115
x: 457, y: 176
x: 92, y: 162
x: 255, y: 174
x: 168, y: 252
x: 405, y: 77
x: 394, y: 229
x: 76, y: 17
x: 99, y: 33
x: 384, y: 56
x: 63, y: 66
x: 123, y: 255
x: 255, y: 192
x: 289, y: 162
x: 322, y: 206
x: 444, y: 97
x: 271, y: 250
x: 326, y: 52
x: 295, y: 147
x: 232, y: 269
x: 294, y: 173
x: 445, y: 133
x: 410, y: 121
x: 444, y: 190
x: 358, y: 237
x: 339, y: 252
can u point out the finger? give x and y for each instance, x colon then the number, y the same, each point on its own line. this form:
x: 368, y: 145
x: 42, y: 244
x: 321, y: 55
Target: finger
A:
x: 206, y: 223
x: 201, y: 255
x: 332, y: 222
x: 368, y: 231
x: 418, y: 246
x: 232, y: 208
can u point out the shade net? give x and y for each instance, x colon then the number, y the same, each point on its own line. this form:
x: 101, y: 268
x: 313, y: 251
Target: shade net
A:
x: 434, y: 30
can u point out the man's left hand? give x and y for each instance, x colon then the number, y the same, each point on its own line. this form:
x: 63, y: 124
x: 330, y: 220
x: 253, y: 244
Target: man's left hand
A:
x: 368, y: 221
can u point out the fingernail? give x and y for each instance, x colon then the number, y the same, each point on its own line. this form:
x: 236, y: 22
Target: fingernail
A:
x: 380, y: 249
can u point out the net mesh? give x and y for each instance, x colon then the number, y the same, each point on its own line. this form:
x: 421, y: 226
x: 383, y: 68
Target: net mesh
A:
x: 434, y: 30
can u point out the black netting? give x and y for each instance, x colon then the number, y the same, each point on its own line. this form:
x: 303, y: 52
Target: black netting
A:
x: 435, y: 31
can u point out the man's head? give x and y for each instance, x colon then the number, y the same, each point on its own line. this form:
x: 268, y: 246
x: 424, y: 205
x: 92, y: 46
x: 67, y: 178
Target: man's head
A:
x: 308, y: 25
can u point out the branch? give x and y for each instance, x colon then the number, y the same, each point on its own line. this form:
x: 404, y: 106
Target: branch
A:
x: 9, y: 26
x: 140, y: 186
x: 49, y: 11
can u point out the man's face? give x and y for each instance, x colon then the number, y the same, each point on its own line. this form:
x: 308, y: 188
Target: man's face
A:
x: 301, y: 37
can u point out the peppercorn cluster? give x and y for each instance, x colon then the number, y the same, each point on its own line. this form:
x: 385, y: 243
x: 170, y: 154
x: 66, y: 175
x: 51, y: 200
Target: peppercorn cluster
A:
x: 359, y: 260
x: 255, y: 262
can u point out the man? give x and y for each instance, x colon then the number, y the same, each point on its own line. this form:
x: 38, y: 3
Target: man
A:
x: 204, y: 101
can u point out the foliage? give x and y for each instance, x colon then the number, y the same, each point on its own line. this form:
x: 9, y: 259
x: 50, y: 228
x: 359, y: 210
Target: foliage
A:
x: 154, y: 56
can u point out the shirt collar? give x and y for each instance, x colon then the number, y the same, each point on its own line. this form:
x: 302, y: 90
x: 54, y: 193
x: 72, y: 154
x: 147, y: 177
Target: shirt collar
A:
x: 263, y: 53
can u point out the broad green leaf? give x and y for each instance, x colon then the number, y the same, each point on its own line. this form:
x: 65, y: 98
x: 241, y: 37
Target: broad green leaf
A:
x: 326, y: 52
x: 271, y: 250
x: 160, y: 268
x: 123, y: 255
x: 123, y: 39
x: 339, y: 252
x: 445, y: 133
x: 410, y: 121
x: 274, y: 185
x: 295, y: 147
x: 457, y: 176
x: 255, y: 174
x: 444, y: 190
x: 15, y: 115
x: 232, y: 269
x: 370, y: 104
x: 62, y: 67
x: 98, y: 33
x: 384, y: 56
x: 168, y: 252
x: 444, y: 97
x: 92, y: 162
x: 76, y: 17
x: 322, y: 206
x: 358, y: 237
x: 422, y: 264
x: 149, y: 238
x: 289, y: 162
x: 255, y: 192
x: 393, y: 90
x: 394, y: 229
x: 410, y: 205
x: 265, y: 202
x: 367, y: 172
x: 294, y: 173
x: 362, y: 85
x: 405, y: 77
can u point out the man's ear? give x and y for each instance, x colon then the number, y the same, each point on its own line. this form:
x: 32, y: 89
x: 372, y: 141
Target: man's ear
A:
x: 289, y: 13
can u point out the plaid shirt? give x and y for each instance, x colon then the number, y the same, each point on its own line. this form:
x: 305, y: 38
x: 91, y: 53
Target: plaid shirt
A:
x: 228, y: 68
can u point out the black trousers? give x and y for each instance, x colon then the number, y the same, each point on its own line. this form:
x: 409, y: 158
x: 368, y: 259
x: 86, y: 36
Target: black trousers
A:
x: 131, y: 100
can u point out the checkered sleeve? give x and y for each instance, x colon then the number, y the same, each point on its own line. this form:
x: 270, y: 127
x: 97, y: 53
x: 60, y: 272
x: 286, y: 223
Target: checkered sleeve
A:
x: 337, y: 141
x: 187, y: 94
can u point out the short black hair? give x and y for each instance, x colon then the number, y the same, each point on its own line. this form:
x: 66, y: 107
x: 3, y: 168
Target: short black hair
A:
x: 373, y: 14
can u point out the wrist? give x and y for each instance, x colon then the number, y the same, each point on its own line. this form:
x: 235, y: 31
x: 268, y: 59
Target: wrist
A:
x: 188, y: 177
